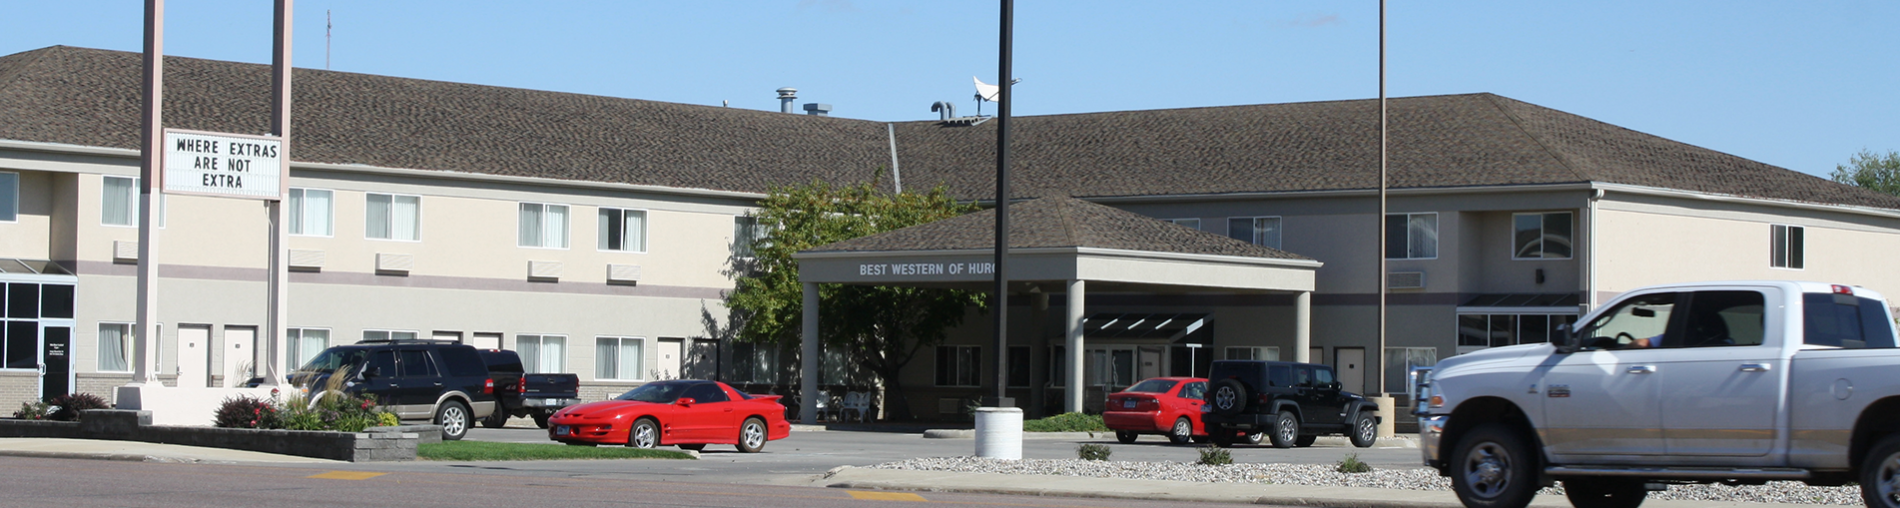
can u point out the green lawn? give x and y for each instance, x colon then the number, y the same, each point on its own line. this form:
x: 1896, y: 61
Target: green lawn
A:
x: 482, y: 450
x: 1066, y: 422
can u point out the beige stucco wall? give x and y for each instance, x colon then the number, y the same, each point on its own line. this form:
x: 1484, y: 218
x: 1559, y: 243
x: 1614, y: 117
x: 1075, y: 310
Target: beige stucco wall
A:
x: 30, y: 235
x: 1653, y: 241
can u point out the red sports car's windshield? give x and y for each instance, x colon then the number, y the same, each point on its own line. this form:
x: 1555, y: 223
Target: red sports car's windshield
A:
x: 1152, y: 386
x: 660, y: 392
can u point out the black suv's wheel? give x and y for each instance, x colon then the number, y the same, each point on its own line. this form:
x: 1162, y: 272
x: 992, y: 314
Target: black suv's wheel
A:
x: 1492, y: 467
x: 1229, y: 397
x: 1182, y: 431
x: 1305, y: 441
x: 1880, y: 474
x: 1125, y: 437
x: 497, y: 419
x: 541, y: 419
x: 1221, y: 436
x: 1254, y: 438
x: 1365, y: 430
x: 752, y: 435
x: 1605, y: 492
x: 644, y: 434
x: 454, y: 419
x: 1286, y: 429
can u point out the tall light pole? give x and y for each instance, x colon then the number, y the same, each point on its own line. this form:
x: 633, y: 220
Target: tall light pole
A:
x: 1378, y: 374
x: 1001, y: 299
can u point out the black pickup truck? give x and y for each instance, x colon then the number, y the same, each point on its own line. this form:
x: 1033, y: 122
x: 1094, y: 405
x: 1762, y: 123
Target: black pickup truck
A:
x: 518, y: 393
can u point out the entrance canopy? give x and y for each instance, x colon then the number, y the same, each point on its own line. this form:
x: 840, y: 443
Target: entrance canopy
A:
x: 1057, y: 244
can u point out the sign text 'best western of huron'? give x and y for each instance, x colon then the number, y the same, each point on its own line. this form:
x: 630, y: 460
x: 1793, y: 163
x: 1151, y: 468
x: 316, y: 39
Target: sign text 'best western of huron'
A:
x: 229, y: 165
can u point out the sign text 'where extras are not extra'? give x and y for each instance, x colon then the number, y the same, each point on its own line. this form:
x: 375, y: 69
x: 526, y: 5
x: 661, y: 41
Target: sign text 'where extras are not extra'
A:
x: 228, y: 165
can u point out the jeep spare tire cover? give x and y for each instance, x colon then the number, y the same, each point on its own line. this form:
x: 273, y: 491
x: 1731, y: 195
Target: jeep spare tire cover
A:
x: 1229, y: 397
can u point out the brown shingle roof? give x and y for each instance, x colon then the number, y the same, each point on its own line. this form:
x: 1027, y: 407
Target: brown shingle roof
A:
x: 1058, y: 222
x: 91, y: 97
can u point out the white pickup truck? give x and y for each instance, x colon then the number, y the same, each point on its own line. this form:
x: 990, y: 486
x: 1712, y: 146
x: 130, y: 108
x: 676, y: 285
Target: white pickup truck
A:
x: 1730, y: 382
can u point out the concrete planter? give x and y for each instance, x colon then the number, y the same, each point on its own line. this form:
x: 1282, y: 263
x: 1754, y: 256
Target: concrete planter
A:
x: 377, y: 444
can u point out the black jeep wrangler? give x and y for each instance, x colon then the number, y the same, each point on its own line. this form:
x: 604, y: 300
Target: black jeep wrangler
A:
x: 1294, y: 403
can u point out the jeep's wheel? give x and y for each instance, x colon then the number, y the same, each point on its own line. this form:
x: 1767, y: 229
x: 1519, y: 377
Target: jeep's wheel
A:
x: 1221, y: 436
x: 644, y: 434
x: 1125, y: 437
x: 1604, y: 492
x: 1229, y: 397
x: 1365, y: 430
x: 453, y: 417
x: 752, y: 435
x: 1286, y: 430
x: 1254, y: 438
x: 1182, y: 432
x: 497, y: 419
x: 1493, y: 468
x: 1305, y: 441
x: 1880, y: 474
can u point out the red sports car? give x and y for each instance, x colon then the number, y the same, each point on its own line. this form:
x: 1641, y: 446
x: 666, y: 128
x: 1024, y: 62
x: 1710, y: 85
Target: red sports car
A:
x: 689, y: 414
x: 1169, y: 406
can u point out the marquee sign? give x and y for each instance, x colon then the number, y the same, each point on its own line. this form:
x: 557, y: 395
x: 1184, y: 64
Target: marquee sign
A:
x: 226, y: 165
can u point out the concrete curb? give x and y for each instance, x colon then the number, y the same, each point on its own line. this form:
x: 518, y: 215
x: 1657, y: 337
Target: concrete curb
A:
x: 971, y: 434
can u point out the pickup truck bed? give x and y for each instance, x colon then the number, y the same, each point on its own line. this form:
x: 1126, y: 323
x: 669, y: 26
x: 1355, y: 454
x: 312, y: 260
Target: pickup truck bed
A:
x: 536, y: 395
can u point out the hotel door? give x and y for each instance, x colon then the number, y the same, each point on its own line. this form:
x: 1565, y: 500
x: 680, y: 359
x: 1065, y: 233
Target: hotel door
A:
x: 56, y: 361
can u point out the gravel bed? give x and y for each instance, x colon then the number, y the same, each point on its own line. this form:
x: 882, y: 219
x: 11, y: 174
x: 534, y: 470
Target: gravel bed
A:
x: 1324, y: 475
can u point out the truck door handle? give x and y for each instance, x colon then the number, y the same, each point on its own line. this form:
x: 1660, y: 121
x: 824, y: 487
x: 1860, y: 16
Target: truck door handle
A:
x: 1754, y: 367
x: 1642, y: 369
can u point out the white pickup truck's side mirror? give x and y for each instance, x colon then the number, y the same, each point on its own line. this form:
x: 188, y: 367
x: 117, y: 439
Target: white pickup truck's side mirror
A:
x: 1567, y: 343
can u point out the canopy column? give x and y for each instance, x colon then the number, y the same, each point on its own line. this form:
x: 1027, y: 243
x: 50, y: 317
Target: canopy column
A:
x: 1072, y: 397
x: 808, y: 359
x: 1303, y: 327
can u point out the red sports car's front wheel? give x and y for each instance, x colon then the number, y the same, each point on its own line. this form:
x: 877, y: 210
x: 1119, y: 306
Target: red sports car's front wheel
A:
x: 752, y: 435
x: 645, y: 434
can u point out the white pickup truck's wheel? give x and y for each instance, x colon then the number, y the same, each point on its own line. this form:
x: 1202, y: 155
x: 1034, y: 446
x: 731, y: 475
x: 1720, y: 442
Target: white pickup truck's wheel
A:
x: 1880, y: 474
x: 1492, y: 468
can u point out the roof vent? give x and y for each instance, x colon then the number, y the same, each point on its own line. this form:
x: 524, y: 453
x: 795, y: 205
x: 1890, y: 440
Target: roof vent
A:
x: 785, y: 97
x: 945, y: 111
x: 816, y: 109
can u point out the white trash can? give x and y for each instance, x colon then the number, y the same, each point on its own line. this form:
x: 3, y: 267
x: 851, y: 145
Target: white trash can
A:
x: 999, y: 433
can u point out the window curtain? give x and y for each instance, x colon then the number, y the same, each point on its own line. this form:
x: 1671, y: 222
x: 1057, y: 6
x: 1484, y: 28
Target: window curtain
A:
x: 316, y: 213
x: 406, y: 214
x: 112, y: 348
x: 118, y: 201
x: 309, y: 344
x: 9, y: 196
x: 295, y: 210
x: 636, y: 231
x: 376, y: 217
x: 530, y: 230
x: 555, y: 229
x: 608, y: 234
x: 551, y: 354
x: 629, y: 359
x: 605, y: 366
x: 529, y: 347
x: 1266, y: 232
x: 1424, y: 241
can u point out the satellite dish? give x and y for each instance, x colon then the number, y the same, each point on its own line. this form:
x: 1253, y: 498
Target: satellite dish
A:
x: 986, y: 91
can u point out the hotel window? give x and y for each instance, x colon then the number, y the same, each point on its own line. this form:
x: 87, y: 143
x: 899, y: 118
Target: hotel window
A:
x: 1058, y: 366
x: 747, y: 235
x: 115, y: 347
x: 1790, y: 244
x: 1494, y: 330
x: 302, y: 345
x: 1019, y: 366
x: 959, y: 365
x: 1541, y: 235
x: 119, y: 203
x: 310, y: 212
x: 623, y: 230
x: 618, y: 358
x: 1191, y: 223
x: 754, y: 363
x: 1268, y: 353
x: 543, y: 226
x: 387, y: 335
x: 1399, y: 362
x: 393, y: 217
x: 9, y: 197
x: 1411, y: 236
x: 542, y: 353
x: 1262, y: 231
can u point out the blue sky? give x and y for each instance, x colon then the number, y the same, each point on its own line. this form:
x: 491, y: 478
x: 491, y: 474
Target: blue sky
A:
x: 1802, y: 85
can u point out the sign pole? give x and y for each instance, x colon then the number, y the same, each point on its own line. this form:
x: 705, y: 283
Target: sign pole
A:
x: 151, y: 193
x: 279, y: 287
x: 1001, y: 300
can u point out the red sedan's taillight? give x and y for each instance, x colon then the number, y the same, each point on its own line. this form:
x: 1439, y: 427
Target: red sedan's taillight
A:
x: 488, y: 386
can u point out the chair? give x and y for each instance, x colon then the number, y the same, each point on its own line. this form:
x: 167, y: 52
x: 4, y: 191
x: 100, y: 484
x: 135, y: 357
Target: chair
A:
x: 856, y: 401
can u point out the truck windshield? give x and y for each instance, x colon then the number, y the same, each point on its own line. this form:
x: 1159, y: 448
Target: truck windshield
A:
x: 661, y: 392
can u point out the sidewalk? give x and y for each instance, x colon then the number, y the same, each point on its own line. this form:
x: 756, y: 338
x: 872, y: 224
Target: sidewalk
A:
x: 137, y: 451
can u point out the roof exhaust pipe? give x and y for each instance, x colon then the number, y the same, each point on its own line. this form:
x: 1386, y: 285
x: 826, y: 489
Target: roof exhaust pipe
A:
x: 944, y: 110
x: 785, y: 97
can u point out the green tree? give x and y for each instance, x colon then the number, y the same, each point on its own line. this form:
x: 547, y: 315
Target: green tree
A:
x: 881, y: 328
x: 1871, y: 171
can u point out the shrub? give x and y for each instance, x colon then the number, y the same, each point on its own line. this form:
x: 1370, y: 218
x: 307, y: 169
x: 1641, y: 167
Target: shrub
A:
x: 387, y: 419
x: 247, y: 412
x: 68, y: 406
x: 35, y: 410
x: 1352, y: 465
x: 1067, y: 422
x: 1215, y: 456
x: 1092, y: 451
x: 333, y: 410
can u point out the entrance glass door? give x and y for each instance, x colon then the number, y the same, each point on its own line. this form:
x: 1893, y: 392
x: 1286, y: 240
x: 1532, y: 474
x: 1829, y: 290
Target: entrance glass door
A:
x: 56, y: 363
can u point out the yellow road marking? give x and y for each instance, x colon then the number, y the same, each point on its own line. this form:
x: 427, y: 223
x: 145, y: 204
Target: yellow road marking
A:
x: 346, y: 475
x: 884, y: 496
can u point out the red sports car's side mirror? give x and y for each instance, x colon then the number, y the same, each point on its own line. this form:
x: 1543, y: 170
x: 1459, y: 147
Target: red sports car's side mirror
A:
x: 685, y: 401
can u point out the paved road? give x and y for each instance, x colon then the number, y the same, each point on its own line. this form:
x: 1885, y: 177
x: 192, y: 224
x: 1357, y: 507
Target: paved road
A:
x: 40, y: 482
x: 794, y: 460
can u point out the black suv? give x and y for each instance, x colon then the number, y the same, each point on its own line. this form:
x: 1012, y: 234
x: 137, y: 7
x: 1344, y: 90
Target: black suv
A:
x: 444, y: 382
x: 1293, y: 403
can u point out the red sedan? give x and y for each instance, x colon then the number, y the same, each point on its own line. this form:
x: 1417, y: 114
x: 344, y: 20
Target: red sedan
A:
x: 1169, y: 406
x: 689, y: 414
